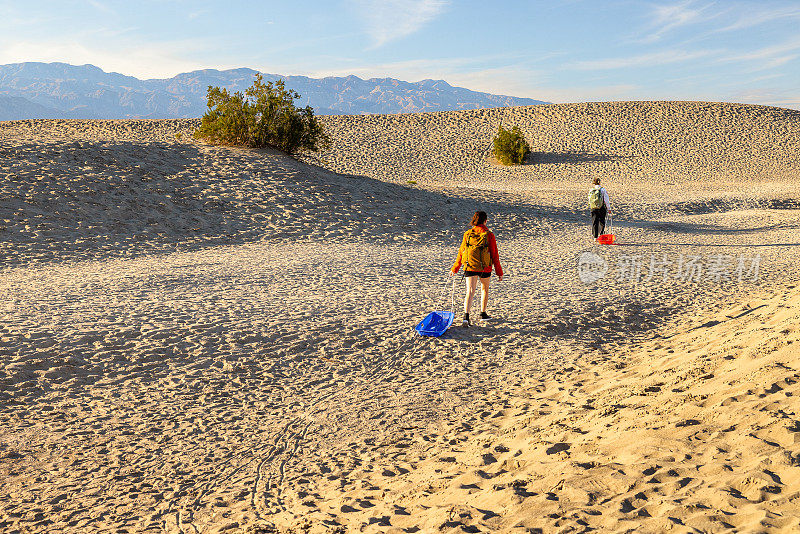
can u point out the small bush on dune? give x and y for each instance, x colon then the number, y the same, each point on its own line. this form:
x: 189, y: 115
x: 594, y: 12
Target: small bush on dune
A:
x: 264, y: 116
x: 510, y: 146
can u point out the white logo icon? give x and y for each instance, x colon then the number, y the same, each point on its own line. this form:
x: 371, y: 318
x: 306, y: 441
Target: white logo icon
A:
x: 591, y: 267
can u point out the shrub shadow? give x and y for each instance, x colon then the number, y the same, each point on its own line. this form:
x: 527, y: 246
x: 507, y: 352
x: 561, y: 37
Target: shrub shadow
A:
x: 571, y: 157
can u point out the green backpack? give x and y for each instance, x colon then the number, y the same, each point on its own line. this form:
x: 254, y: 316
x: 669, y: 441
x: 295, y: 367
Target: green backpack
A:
x: 596, y: 199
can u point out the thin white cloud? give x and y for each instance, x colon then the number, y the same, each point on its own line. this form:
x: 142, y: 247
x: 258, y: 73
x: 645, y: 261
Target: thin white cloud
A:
x: 475, y: 72
x: 666, y: 18
x: 765, y: 77
x: 389, y: 20
x: 157, y: 60
x: 16, y: 19
x: 100, y: 6
x: 768, y: 97
x: 422, y: 68
x: 641, y: 60
x: 769, y: 56
x: 756, y: 18
x: 104, y: 32
x: 778, y: 61
x: 436, y: 68
x: 769, y: 52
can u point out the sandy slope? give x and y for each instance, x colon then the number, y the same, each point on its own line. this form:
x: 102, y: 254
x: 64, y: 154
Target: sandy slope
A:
x: 693, y: 431
x: 678, y: 434
x: 629, y: 142
x: 205, y: 339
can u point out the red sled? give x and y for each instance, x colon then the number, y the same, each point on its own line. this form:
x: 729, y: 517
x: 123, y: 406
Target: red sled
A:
x: 609, y: 238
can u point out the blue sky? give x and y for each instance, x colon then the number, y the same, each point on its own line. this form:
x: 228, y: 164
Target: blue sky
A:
x: 555, y: 50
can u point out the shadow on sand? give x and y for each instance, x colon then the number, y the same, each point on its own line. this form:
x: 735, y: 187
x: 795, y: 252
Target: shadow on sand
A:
x: 700, y: 229
x: 731, y: 245
x: 575, y: 157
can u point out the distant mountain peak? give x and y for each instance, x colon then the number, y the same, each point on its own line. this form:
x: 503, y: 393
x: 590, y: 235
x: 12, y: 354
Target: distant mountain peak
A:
x: 62, y: 90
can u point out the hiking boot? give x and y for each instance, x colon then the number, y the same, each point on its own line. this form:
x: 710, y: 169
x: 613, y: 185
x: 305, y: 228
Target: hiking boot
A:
x: 465, y: 322
x: 484, y: 316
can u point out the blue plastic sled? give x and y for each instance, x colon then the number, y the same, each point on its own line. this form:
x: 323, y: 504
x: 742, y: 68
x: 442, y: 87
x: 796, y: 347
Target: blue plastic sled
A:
x: 435, y: 324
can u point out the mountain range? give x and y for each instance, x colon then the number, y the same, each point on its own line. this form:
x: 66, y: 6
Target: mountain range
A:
x: 59, y: 90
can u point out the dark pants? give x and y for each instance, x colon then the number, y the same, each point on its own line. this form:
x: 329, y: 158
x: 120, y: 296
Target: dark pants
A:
x: 598, y: 221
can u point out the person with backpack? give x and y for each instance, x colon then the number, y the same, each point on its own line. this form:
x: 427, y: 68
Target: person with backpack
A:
x: 478, y: 253
x: 600, y: 205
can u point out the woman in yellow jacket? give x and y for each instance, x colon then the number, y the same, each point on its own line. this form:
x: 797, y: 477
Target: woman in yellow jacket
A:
x: 478, y: 253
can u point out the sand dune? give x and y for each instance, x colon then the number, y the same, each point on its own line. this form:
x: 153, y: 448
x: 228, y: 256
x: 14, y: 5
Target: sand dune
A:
x: 629, y: 142
x: 208, y: 339
x: 128, y: 187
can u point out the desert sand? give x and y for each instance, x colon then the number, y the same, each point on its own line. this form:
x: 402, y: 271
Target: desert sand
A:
x: 213, y: 339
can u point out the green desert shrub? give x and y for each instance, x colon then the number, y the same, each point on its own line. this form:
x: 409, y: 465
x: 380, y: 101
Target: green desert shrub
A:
x: 509, y: 146
x: 264, y: 116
